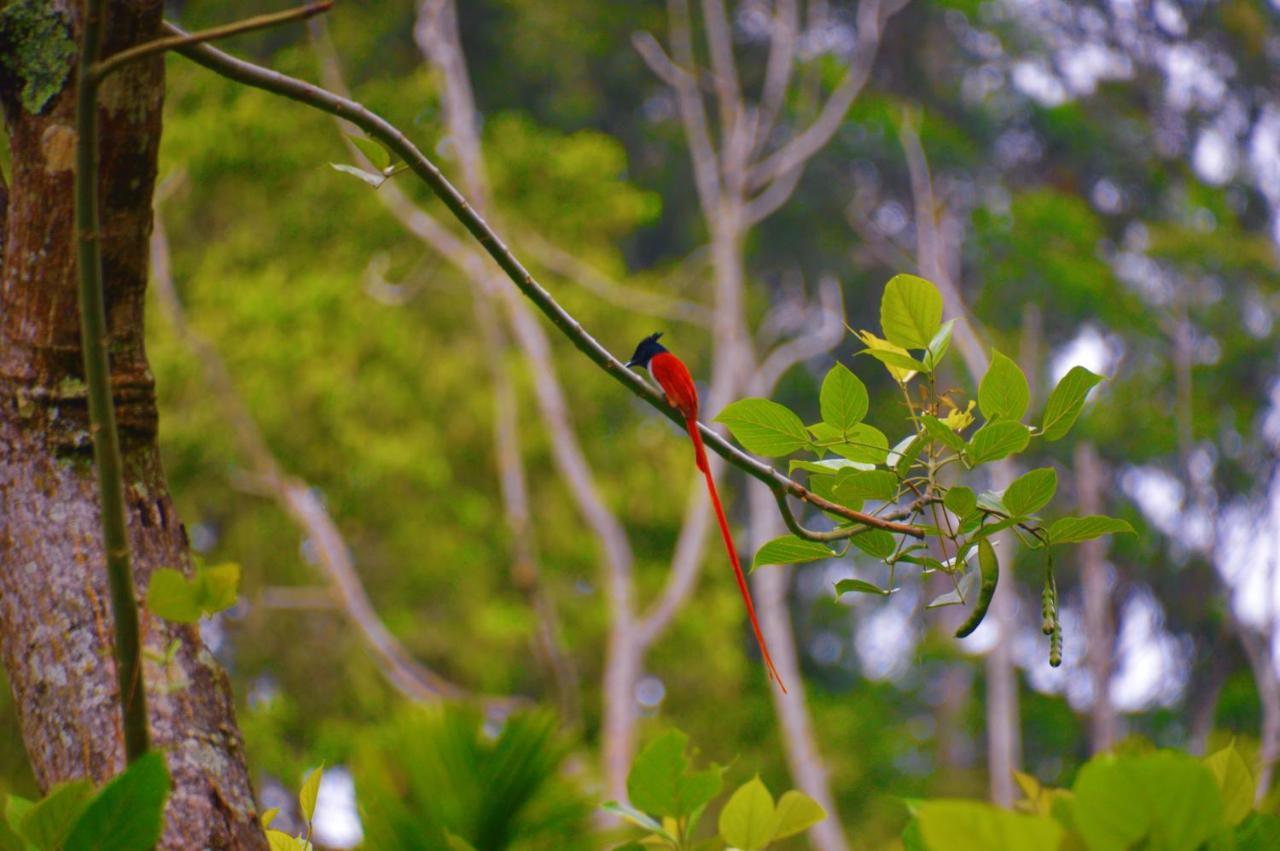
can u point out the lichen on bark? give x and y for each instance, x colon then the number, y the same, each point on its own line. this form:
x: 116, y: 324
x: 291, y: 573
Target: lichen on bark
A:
x: 36, y: 46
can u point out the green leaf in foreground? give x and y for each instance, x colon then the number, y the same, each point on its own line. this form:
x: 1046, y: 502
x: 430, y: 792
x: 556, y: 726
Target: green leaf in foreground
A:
x: 310, y: 792
x: 796, y: 811
x: 48, y: 820
x: 660, y: 781
x: 790, y: 549
x: 1031, y: 491
x: 1003, y: 393
x: 373, y: 150
x: 1070, y: 530
x: 956, y: 825
x: 764, y: 427
x: 748, y: 821
x: 843, y: 399
x: 996, y: 440
x: 910, y: 311
x: 128, y: 814
x: 1066, y: 402
x: 875, y: 542
x: 1236, y: 783
x: 938, y: 345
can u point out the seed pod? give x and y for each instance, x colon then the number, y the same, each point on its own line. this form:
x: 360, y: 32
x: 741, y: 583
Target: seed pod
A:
x: 1048, y: 605
x: 990, y: 567
x: 1055, y: 646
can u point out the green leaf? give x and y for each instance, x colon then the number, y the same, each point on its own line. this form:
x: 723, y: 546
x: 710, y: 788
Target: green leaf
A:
x: 374, y: 180
x: 938, y: 345
x: 16, y: 808
x: 956, y: 596
x: 9, y: 840
x: 764, y: 427
x: 843, y: 398
x: 278, y: 840
x: 1070, y: 530
x: 373, y: 150
x: 790, y: 549
x: 796, y: 811
x: 940, y: 432
x: 309, y: 792
x: 888, y: 357
x: 865, y: 444
x: 1031, y: 491
x: 859, y: 586
x: 905, y: 453
x: 174, y: 597
x: 1235, y: 781
x: 955, y: 825
x: 1003, y: 393
x: 910, y: 311
x: 866, y: 484
x: 269, y: 816
x: 1066, y: 402
x: 997, y: 439
x: 660, y: 782
x: 960, y: 501
x: 829, y: 467
x: 1163, y: 800
x: 631, y: 814
x: 748, y: 821
x: 875, y: 542
x: 457, y: 843
x: 1259, y: 832
x: 48, y: 820
x: 128, y: 814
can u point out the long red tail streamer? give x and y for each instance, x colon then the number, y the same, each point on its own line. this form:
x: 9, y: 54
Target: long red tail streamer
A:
x: 701, y: 456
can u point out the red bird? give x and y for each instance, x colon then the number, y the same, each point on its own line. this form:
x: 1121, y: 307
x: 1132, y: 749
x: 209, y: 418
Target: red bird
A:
x: 676, y: 382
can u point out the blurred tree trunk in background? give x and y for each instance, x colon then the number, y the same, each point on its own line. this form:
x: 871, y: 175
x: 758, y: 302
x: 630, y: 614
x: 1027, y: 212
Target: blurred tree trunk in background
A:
x: 55, y: 622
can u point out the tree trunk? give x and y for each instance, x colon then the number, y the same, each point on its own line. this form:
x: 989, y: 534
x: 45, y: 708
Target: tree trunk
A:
x: 55, y: 621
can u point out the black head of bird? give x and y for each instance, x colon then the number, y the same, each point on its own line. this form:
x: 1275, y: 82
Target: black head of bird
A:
x: 646, y: 350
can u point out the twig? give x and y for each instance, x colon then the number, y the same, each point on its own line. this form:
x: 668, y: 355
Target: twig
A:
x: 102, y: 417
x: 376, y: 126
x: 160, y: 45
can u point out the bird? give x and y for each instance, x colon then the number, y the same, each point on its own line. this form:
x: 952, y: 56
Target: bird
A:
x: 676, y: 382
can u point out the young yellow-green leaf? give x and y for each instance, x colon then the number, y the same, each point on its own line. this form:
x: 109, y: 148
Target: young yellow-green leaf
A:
x: 997, y: 439
x: 1003, y: 393
x: 796, y: 811
x: 865, y: 484
x: 128, y: 814
x: 309, y: 792
x: 47, y: 823
x: 1066, y: 401
x: 960, y: 501
x: 940, y: 432
x: 895, y: 360
x: 875, y: 542
x: 910, y: 311
x: 374, y: 180
x: 764, y: 427
x: 843, y: 398
x: 278, y: 840
x: 938, y: 345
x: 269, y: 816
x: 865, y: 444
x: 1235, y: 781
x: 1031, y: 491
x: 873, y: 343
x: 790, y: 550
x: 748, y: 821
x: 174, y: 597
x: 661, y: 784
x: 1070, y: 530
x: 961, y: 825
x: 373, y: 150
x: 859, y: 586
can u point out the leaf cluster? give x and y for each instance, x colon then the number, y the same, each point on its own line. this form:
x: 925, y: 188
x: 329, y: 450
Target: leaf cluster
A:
x: 926, y: 477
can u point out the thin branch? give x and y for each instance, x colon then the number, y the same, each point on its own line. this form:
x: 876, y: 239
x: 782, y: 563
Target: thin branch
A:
x: 102, y: 415
x: 872, y: 17
x: 829, y: 331
x: 318, y: 98
x: 567, y: 265
x: 160, y: 45
x: 783, y: 37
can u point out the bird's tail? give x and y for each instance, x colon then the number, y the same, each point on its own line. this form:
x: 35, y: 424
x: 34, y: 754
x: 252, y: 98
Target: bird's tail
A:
x: 700, y: 456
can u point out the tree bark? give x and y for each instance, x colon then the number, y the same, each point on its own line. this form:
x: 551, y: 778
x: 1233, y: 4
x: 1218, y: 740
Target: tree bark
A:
x: 55, y: 621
